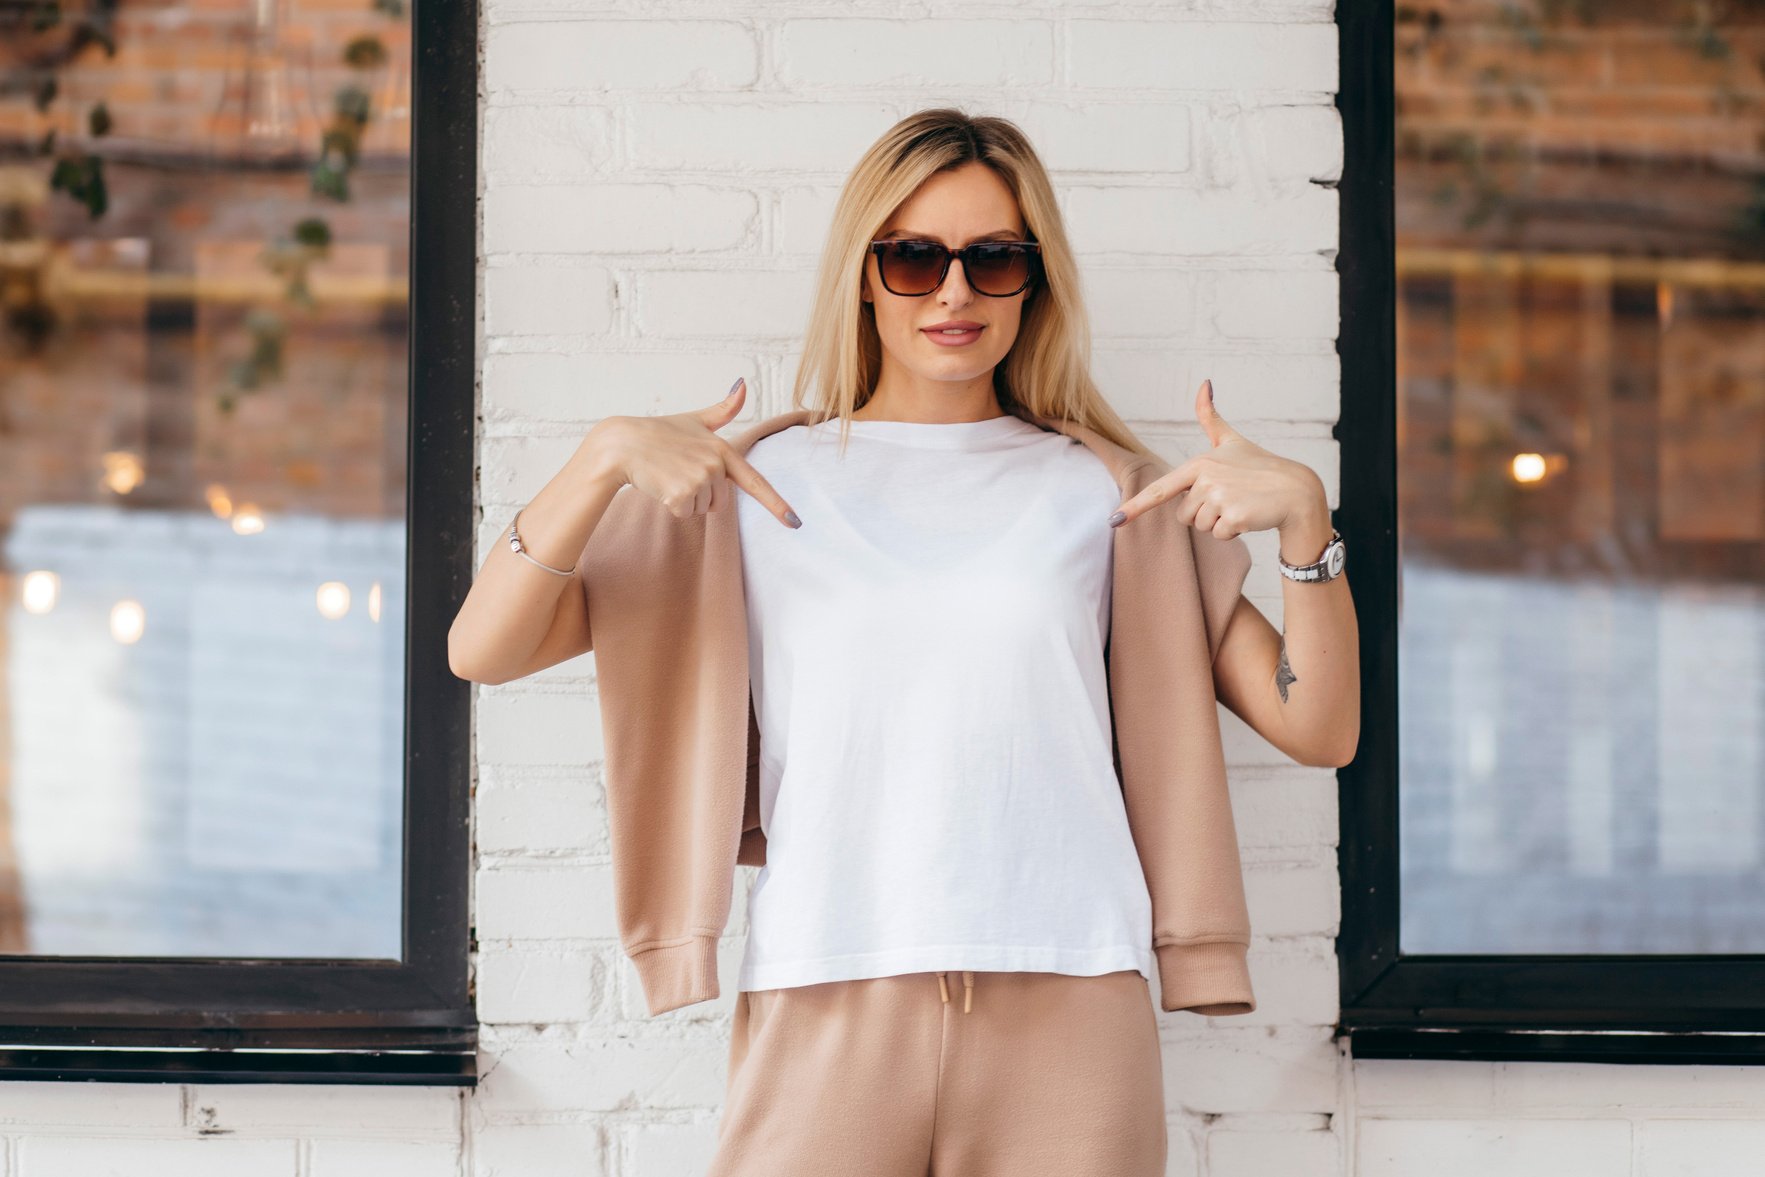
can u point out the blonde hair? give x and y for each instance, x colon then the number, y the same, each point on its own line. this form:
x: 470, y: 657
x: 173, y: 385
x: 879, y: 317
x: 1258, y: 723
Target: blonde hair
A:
x: 1047, y: 370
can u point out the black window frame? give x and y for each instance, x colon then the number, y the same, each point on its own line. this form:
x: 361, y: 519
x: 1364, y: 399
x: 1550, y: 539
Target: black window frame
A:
x: 411, y: 1021
x: 1569, y: 1007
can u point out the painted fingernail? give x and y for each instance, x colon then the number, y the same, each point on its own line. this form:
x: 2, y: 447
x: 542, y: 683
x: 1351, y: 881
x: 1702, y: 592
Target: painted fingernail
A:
x: 1117, y: 519
x: 790, y: 517
x: 1210, y: 392
x: 733, y: 387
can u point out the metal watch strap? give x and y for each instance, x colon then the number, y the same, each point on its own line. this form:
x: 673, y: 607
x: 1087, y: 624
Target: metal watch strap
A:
x: 1320, y: 570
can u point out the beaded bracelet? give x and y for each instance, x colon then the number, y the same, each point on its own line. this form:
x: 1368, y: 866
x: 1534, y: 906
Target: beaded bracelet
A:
x: 515, y: 546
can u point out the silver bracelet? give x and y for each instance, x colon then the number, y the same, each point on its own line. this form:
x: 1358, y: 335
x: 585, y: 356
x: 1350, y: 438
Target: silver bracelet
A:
x: 515, y: 546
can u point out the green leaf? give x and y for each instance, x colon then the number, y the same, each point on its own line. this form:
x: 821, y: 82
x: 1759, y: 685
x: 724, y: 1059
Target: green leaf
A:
x: 313, y: 231
x: 98, y: 121
x: 352, y: 104
x: 365, y: 52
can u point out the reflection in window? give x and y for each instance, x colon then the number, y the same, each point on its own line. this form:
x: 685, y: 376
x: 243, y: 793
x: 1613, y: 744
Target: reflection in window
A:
x: 203, y: 220
x: 1580, y: 209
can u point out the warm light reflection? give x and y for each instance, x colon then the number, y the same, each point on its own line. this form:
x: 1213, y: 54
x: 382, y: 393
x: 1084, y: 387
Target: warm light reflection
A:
x: 1528, y: 467
x: 38, y: 591
x: 219, y: 501
x: 128, y: 620
x: 123, y: 471
x: 333, y: 600
x: 374, y: 602
x: 248, y: 520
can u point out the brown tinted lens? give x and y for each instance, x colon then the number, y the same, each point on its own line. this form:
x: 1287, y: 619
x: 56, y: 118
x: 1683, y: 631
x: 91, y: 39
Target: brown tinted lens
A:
x: 911, y: 267
x: 998, y: 269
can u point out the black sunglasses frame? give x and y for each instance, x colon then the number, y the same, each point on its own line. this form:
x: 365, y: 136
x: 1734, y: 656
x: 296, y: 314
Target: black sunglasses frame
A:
x: 1034, y: 249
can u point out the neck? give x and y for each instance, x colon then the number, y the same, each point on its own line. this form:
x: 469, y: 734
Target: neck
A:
x: 942, y: 403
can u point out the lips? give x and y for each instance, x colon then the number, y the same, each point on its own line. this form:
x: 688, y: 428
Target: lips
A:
x: 950, y: 337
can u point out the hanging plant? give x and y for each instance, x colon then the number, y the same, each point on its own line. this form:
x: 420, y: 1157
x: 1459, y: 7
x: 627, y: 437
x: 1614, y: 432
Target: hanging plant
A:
x: 45, y: 40
x: 292, y: 258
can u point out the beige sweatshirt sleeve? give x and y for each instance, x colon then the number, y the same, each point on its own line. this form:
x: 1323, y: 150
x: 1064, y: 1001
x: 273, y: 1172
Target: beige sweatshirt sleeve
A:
x: 1175, y: 591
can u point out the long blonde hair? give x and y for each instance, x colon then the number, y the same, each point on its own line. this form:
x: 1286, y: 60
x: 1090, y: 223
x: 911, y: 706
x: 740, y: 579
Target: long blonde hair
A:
x: 1047, y: 370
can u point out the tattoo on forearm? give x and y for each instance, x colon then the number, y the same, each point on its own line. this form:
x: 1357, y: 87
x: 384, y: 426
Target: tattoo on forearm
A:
x: 1283, y: 672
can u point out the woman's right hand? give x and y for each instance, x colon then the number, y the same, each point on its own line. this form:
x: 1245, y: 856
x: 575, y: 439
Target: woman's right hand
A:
x: 680, y: 462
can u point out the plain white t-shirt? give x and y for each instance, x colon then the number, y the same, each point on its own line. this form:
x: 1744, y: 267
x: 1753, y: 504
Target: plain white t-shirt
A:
x: 937, y: 785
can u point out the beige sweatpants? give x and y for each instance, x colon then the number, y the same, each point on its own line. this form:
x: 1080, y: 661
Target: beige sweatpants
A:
x: 976, y: 1074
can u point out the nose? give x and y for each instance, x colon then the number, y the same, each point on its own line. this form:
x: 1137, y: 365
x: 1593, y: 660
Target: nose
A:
x: 956, y: 289
x: 967, y: 990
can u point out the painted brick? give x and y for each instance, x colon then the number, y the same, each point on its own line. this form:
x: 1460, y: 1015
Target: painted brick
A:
x: 539, y: 1150
x: 849, y: 53
x: 33, y: 1106
x: 772, y: 136
x: 1202, y: 55
x: 1201, y: 222
x: 548, y: 300
x: 1476, y: 1148
x: 1264, y: 1154
x: 745, y: 303
x: 543, y: 816
x: 317, y: 1109
x: 519, y: 726
x: 642, y: 1074
x: 670, y: 1149
x: 617, y: 218
x: 1693, y: 1148
x: 562, y: 57
x: 583, y: 388
x: 1228, y: 1068
x: 1295, y: 982
x: 535, y: 143
x: 1287, y: 143
x: 519, y: 983
x: 545, y: 902
x: 1302, y: 900
x: 383, y: 1158
x: 1429, y: 1084
x: 126, y: 1156
x: 1276, y: 304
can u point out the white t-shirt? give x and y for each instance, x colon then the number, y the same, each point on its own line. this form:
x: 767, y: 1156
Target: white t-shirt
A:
x: 937, y: 786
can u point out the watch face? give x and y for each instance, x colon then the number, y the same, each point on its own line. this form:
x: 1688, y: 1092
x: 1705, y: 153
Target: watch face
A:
x: 1335, y: 558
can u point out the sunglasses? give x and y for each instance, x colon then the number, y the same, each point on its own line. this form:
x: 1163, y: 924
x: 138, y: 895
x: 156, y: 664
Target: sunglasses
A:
x: 998, y: 269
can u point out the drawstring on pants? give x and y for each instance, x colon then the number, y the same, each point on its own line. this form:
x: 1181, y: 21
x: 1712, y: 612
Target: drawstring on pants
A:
x: 967, y: 990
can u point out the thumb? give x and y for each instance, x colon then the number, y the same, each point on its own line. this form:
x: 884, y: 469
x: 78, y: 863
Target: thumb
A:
x: 723, y: 412
x: 1217, y: 429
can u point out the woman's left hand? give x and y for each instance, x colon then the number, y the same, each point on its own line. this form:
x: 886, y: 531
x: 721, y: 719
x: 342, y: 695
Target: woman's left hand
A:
x: 1235, y: 487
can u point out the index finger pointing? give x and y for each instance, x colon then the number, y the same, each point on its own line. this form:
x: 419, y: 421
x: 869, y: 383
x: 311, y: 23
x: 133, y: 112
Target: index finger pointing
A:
x: 752, y: 481
x: 1160, y: 490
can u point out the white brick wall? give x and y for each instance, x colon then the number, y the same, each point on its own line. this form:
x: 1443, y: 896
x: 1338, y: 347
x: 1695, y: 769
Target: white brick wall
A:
x: 656, y: 181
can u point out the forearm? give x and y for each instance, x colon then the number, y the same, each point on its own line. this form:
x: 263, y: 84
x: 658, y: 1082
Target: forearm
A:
x: 1317, y: 675
x: 512, y: 605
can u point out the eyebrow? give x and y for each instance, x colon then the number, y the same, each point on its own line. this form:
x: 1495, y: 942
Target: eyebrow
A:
x: 995, y: 235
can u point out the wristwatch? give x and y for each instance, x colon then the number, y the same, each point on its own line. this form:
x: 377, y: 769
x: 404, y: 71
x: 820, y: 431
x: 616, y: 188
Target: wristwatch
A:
x: 1328, y: 566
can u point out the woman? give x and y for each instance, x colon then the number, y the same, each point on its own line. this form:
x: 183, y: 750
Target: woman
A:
x: 934, y: 690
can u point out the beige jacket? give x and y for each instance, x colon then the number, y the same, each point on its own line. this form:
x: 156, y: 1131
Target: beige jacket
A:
x: 669, y: 629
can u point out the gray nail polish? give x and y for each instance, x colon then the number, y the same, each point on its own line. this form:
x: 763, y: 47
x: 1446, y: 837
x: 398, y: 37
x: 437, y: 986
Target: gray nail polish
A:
x: 732, y: 388
x: 1117, y: 519
x: 791, y: 518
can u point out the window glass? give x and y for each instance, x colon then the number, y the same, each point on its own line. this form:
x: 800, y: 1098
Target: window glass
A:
x: 1580, y: 220
x: 203, y: 219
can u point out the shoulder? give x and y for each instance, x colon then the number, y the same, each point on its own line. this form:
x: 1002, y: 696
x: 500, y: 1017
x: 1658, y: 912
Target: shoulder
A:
x: 782, y: 445
x: 1075, y: 460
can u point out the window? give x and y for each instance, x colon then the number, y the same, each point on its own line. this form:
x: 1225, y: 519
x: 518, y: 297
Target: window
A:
x: 1553, y: 439
x: 236, y: 430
